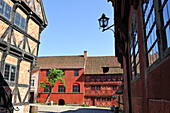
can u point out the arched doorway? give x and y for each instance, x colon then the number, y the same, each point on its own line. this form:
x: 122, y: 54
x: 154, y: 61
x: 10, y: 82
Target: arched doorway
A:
x: 61, y: 102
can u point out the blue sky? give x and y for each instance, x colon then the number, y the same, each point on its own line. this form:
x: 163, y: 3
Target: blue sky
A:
x: 73, y: 28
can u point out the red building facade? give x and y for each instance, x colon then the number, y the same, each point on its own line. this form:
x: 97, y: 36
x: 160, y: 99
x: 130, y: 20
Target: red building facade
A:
x: 73, y: 67
x: 142, y: 43
x: 94, y: 88
x: 100, y: 86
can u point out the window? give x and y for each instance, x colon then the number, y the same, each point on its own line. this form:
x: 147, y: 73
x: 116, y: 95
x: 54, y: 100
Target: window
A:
x: 157, y: 30
x: 108, y: 76
x: 10, y: 72
x: 98, y: 87
x: 97, y: 76
x: 76, y: 88
x: 98, y: 99
x: 165, y: 8
x: 103, y: 99
x: 5, y: 9
x: 92, y: 87
x: 20, y: 21
x: 47, y: 89
x: 32, y: 82
x: 108, y: 99
x: 47, y: 73
x: 63, y: 72
x: 134, y: 49
x: 92, y: 77
x: 114, y: 87
x: 61, y: 88
x: 76, y: 72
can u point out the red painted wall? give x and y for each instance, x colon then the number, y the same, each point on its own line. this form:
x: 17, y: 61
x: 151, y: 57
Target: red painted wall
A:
x: 69, y: 97
x: 106, y: 89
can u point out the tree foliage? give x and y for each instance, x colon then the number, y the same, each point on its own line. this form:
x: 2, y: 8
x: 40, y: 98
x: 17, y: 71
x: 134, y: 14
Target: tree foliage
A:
x: 54, y: 76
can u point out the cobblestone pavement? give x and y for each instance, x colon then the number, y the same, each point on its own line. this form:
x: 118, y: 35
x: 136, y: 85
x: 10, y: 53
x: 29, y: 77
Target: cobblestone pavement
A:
x: 70, y: 109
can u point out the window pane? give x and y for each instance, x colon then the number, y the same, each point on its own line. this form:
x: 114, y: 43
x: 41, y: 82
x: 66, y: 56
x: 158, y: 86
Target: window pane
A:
x: 47, y: 73
x: 114, y: 87
x: 108, y: 99
x: 92, y: 88
x: 8, y: 11
x: 61, y: 88
x: 76, y: 88
x: 23, y: 23
x: 98, y: 88
x: 7, y: 70
x: 47, y: 89
x: 2, y: 6
x: 13, y: 70
x: 151, y: 37
x: 17, y: 19
x: 166, y: 16
x: 76, y: 72
x: 153, y: 55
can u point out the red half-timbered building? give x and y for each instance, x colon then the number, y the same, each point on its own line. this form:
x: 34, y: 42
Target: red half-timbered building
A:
x: 100, y: 86
x: 85, y: 80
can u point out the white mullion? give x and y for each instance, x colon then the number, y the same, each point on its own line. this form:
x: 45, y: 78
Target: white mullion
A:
x: 10, y: 72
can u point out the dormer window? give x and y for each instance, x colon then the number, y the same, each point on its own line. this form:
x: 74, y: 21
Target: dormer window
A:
x: 20, y: 21
x: 5, y: 9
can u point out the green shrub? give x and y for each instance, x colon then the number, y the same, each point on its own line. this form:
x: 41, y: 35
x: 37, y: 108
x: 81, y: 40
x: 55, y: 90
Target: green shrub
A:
x: 84, y: 105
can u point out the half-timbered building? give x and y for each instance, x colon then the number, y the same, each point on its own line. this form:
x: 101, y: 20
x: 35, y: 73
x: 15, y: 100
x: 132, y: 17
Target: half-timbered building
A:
x: 100, y: 83
x: 21, y: 22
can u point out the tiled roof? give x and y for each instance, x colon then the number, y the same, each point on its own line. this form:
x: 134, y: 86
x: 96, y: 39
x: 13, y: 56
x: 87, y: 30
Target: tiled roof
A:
x: 61, y: 62
x: 94, y: 65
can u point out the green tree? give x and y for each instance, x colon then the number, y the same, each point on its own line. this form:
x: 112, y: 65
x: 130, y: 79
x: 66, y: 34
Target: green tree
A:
x: 54, y: 76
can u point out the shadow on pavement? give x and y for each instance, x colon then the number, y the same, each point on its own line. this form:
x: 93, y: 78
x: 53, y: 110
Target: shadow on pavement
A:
x: 82, y: 110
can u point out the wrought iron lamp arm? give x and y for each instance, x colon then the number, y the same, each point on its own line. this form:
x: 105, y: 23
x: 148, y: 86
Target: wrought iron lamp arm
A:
x: 108, y: 28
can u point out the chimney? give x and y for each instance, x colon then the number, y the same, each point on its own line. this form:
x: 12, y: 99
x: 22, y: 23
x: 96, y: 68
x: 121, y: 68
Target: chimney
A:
x: 85, y: 54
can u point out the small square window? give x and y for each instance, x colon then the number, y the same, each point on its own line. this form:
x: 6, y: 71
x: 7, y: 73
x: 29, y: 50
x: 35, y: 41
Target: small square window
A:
x: 108, y: 99
x: 98, y: 99
x: 76, y: 88
x: 92, y: 88
x: 61, y: 88
x: 103, y: 99
x: 47, y: 89
x: 76, y: 72
x: 9, y: 72
x: 98, y: 88
x: 114, y: 87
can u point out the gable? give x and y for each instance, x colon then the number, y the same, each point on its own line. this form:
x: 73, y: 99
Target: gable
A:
x: 38, y: 8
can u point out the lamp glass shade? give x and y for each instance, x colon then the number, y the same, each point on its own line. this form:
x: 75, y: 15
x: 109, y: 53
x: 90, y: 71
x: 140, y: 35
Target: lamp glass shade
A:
x: 103, y: 21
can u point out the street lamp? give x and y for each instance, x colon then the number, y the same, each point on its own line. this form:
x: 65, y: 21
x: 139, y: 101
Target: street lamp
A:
x: 103, y: 22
